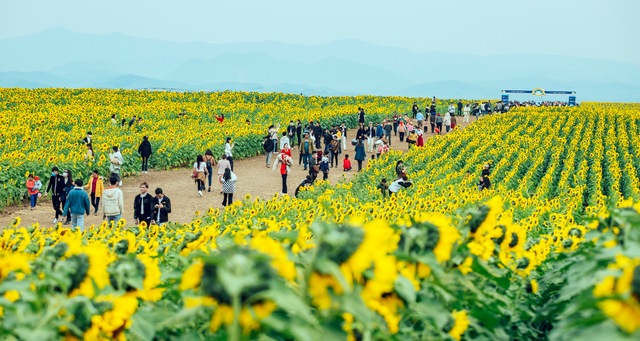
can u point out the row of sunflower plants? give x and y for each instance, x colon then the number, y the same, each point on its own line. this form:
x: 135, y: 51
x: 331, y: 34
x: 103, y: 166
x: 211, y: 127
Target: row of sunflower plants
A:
x: 42, y: 128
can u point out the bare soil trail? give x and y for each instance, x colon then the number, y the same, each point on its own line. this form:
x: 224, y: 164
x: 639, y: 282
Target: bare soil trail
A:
x: 254, y: 178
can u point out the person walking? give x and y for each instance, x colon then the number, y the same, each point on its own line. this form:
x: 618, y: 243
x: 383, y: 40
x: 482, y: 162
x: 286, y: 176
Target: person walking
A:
x: 414, y: 110
x: 161, y: 207
x: 361, y: 117
x: 343, y: 134
x: 395, y: 123
x: 145, y: 152
x: 210, y: 161
x: 228, y: 151
x: 143, y: 206
x: 298, y: 133
x: 370, y: 133
x: 432, y: 121
x: 284, y: 140
x: 56, y: 187
x: 112, y: 202
x: 78, y: 205
x: 388, y: 128
x: 268, y: 147
x: 32, y: 191
x: 466, y: 113
x: 95, y: 186
x: 68, y: 186
x: 420, y: 118
x: 200, y: 173
x: 273, y: 136
x: 360, y: 154
x: 420, y: 139
x: 447, y: 121
x: 452, y: 110
x: 222, y: 165
x: 116, y: 161
x: 334, y: 150
x: 306, y: 149
x: 439, y: 124
x: 284, y: 161
x: 459, y: 107
x: 401, y: 130
x: 291, y: 134
x: 229, y: 180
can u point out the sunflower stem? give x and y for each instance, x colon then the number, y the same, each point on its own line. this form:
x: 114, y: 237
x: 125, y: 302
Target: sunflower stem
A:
x: 235, y: 326
x: 307, y: 276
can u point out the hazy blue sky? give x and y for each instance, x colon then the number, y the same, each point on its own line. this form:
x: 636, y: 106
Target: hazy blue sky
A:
x: 603, y: 29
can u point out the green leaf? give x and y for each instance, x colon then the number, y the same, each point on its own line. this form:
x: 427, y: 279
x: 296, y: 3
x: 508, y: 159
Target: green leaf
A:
x: 405, y: 289
x: 142, y: 328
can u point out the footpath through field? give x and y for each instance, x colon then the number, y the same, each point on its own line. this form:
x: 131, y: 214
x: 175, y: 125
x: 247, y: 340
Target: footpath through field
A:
x: 254, y: 178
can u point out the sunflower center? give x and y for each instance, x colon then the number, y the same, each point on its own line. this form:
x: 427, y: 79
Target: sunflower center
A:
x: 574, y: 232
x: 478, y: 217
x: 567, y: 243
x: 79, y: 268
x: 432, y: 236
x: 514, y: 240
x: 501, y: 239
x: 523, y: 263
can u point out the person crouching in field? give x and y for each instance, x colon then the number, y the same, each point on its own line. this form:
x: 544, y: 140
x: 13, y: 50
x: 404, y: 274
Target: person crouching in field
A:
x: 346, y: 163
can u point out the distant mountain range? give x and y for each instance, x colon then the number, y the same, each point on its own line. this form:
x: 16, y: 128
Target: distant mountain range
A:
x: 61, y: 58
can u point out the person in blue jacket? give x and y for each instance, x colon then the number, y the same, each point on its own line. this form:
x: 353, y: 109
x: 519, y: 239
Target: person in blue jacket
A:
x: 78, y: 204
x: 360, y: 154
x: 379, y: 130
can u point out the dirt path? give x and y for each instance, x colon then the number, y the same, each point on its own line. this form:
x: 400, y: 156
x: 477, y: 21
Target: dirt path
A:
x: 254, y: 178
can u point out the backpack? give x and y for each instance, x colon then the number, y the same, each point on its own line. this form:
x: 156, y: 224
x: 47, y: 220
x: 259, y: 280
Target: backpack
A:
x: 209, y: 162
x: 268, y: 146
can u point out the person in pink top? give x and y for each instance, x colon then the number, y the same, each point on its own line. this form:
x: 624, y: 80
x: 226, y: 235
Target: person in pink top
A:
x: 33, y: 191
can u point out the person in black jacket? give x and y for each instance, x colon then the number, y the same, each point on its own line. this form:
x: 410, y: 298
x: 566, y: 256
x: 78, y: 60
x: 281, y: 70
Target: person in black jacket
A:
x: 87, y: 140
x: 145, y: 152
x: 161, y: 207
x: 143, y: 205
x: 328, y: 138
x: 298, y: 133
x: 291, y: 133
x: 459, y: 108
x: 317, y: 132
x: 56, y: 187
x: 414, y: 110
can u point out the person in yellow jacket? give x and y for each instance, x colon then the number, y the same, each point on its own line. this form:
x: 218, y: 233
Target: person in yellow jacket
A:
x: 95, y: 186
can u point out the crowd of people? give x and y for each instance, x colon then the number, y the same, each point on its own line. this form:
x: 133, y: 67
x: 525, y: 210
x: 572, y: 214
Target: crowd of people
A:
x: 319, y: 150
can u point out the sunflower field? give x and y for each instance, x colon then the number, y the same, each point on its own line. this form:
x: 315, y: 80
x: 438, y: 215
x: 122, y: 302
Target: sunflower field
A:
x: 550, y: 252
x: 42, y: 128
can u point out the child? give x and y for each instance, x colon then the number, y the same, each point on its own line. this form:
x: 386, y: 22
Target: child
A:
x: 373, y: 157
x: 412, y: 138
x: 33, y: 192
x: 324, y: 168
x: 38, y: 185
x: 383, y: 188
x: 346, y: 163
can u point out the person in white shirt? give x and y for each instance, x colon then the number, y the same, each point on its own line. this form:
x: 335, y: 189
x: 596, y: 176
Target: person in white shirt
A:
x: 447, y: 121
x: 228, y: 151
x: 452, y: 109
x: 398, y: 184
x: 467, y: 112
x: 283, y: 140
x: 116, y: 161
